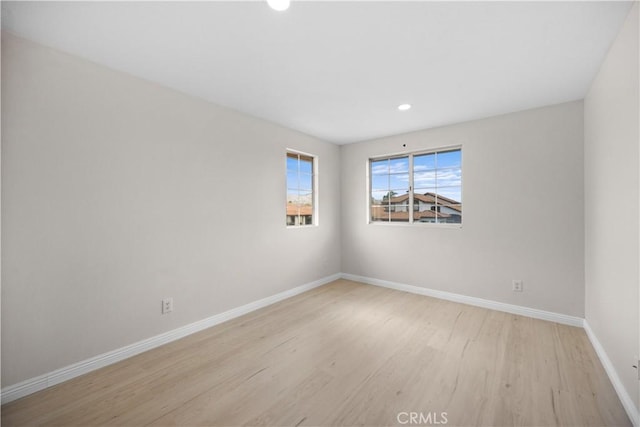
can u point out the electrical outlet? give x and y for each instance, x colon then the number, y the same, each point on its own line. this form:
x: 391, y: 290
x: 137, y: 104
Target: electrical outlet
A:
x: 167, y: 305
x: 517, y: 285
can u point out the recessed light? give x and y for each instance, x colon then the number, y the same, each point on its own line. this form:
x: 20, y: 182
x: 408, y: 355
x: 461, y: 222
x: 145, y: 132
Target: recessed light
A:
x: 404, y: 107
x: 279, y: 5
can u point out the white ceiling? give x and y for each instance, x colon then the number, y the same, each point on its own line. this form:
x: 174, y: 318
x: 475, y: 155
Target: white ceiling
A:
x: 338, y: 70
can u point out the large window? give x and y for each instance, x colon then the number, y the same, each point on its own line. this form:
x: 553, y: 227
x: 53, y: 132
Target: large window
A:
x: 300, y: 189
x: 417, y: 188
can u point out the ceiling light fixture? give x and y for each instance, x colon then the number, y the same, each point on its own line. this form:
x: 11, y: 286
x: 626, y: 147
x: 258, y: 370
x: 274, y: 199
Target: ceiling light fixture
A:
x: 404, y: 107
x: 279, y: 5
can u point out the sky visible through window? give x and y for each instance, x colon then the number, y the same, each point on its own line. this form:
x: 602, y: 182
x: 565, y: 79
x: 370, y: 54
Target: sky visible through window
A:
x: 299, y: 179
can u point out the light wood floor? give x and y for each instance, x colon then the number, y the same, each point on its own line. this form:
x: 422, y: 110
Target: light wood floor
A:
x: 346, y: 354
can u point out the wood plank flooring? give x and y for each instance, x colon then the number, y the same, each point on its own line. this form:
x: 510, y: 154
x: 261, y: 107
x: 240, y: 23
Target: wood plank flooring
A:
x: 347, y: 354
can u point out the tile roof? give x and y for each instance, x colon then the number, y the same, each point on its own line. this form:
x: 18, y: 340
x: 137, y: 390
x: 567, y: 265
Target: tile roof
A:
x: 304, y: 209
x: 429, y: 198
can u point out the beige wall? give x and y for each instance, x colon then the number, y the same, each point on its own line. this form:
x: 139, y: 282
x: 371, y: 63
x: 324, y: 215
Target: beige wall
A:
x: 522, y: 213
x: 611, y: 204
x: 117, y: 192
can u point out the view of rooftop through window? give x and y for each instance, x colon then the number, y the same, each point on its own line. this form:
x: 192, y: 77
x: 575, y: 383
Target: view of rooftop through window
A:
x: 299, y: 189
x: 417, y: 188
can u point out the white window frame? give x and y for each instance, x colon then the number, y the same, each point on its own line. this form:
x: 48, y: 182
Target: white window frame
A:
x: 411, y: 155
x: 315, y: 220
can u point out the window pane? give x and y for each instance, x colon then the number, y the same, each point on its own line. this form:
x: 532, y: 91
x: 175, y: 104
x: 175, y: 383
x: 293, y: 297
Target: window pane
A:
x: 306, y: 210
x: 379, y: 182
x: 449, y: 218
x: 379, y: 197
x: 305, y: 198
x: 450, y: 209
x: 292, y: 179
x: 425, y: 216
x: 424, y: 178
x: 449, y: 205
x: 447, y: 159
x: 398, y: 196
x: 399, y: 182
x: 305, y: 182
x: 390, y: 189
x: 399, y: 165
x: 292, y: 164
x: 424, y: 204
x: 379, y: 213
x: 450, y: 195
x: 293, y: 198
x: 424, y: 197
x: 398, y: 207
x: 380, y: 167
x: 424, y: 162
x: 399, y: 213
x: 306, y: 166
x: 449, y: 177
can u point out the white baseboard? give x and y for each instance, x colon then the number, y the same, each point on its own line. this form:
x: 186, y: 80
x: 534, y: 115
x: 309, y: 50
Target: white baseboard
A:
x: 41, y: 382
x: 479, y: 302
x: 624, y: 396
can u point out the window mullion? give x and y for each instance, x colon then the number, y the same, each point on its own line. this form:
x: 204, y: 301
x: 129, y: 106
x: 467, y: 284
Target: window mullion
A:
x: 388, y: 190
x: 410, y: 207
x: 436, y: 189
x: 299, y: 194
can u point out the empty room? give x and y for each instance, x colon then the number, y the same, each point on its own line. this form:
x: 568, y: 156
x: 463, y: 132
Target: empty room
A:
x: 320, y: 213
